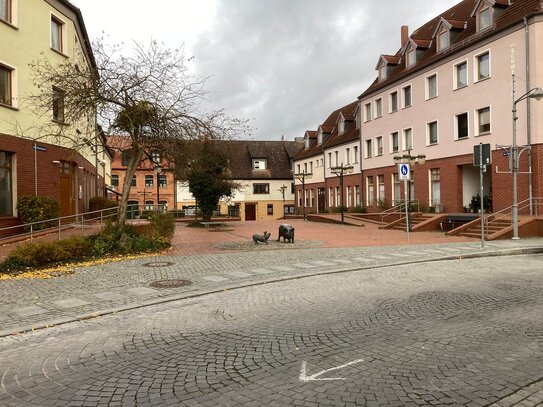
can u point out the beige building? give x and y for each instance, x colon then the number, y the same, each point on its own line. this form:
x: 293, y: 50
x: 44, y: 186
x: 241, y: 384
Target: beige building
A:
x: 31, y: 161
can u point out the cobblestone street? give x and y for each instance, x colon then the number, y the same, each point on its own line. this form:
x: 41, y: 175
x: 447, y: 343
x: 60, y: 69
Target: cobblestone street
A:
x: 459, y: 332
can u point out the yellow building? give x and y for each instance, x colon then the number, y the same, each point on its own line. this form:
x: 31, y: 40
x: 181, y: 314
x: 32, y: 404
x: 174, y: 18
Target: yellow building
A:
x: 32, y: 162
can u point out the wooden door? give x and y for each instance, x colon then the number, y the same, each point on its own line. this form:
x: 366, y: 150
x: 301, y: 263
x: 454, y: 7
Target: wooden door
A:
x: 321, y: 200
x: 67, y: 199
x: 250, y: 211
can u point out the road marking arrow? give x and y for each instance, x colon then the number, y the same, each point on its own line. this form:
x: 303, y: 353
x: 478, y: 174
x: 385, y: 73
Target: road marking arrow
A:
x: 305, y: 378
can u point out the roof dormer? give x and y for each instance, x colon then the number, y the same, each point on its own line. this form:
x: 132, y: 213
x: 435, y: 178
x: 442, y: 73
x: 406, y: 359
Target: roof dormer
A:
x: 386, y: 65
x: 309, y: 138
x: 341, y: 124
x: 487, y: 12
x: 414, y: 50
x: 446, y: 32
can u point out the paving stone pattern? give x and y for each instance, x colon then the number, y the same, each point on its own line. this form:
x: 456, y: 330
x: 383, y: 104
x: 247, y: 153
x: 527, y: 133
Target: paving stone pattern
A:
x: 465, y: 332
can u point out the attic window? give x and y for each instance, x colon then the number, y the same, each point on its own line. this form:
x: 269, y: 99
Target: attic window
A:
x: 341, y: 126
x: 484, y: 18
x: 319, y: 137
x: 383, y: 70
x: 260, y: 164
x: 411, y: 57
x: 443, y: 39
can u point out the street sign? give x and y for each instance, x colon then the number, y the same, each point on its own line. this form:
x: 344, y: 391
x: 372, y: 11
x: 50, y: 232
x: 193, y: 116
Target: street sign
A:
x: 39, y: 148
x: 486, y: 155
x: 404, y: 172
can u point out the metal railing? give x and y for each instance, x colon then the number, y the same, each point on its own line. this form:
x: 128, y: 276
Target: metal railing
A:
x: 528, y: 207
x: 56, y: 225
x: 399, y: 209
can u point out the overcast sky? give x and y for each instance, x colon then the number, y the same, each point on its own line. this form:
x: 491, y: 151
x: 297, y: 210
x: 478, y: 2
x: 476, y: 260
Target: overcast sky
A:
x: 283, y: 64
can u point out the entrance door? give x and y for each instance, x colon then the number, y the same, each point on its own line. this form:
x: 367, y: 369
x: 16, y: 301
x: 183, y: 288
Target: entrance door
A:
x: 321, y: 200
x: 67, y: 193
x: 250, y: 211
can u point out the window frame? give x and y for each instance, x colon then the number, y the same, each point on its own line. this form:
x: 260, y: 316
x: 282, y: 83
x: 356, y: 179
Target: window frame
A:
x: 404, y: 146
x: 370, y: 190
x: 8, y: 168
x: 258, y: 161
x: 457, y: 127
x: 429, y: 126
x: 428, y: 78
x: 58, y: 25
x: 483, y: 9
x: 134, y: 181
x: 367, y: 112
x: 435, y: 179
x: 162, y: 180
x: 477, y: 77
x: 392, y: 150
x: 383, y: 72
x: 443, y: 39
x: 411, y: 57
x: 378, y: 146
x: 393, y: 96
x: 58, y: 101
x: 456, y: 71
x: 378, y: 107
x: 478, y: 121
x: 407, y: 90
x: 149, y: 180
x: 369, y: 148
x: 265, y: 188
x: 126, y: 154
x: 115, y: 180
x: 10, y: 13
x: 9, y: 73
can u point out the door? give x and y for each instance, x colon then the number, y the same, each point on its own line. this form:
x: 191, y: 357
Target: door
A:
x: 67, y: 190
x: 321, y: 200
x: 250, y: 211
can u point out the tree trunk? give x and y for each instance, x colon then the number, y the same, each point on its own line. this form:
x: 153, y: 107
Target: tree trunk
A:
x: 135, y: 159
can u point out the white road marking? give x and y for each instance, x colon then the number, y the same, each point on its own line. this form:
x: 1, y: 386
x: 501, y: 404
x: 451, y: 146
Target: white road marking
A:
x: 305, y: 378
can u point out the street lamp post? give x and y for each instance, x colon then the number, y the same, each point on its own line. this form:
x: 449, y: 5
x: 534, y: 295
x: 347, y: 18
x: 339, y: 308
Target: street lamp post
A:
x: 409, y: 160
x: 340, y: 171
x: 158, y: 171
x: 282, y: 190
x: 536, y: 93
x: 302, y: 176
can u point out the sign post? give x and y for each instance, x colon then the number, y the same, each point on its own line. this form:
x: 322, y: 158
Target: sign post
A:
x: 482, y: 158
x: 36, y: 148
x: 404, y: 172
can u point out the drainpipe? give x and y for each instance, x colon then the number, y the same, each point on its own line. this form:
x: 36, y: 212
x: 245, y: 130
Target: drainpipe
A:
x: 528, y: 113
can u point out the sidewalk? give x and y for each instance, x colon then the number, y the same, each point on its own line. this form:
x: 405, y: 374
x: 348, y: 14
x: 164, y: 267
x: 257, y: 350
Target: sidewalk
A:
x: 215, y: 261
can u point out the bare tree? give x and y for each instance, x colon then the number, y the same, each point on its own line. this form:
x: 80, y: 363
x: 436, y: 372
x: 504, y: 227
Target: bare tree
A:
x: 144, y: 93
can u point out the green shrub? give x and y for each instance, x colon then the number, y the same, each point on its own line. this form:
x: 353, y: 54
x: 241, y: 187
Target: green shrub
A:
x: 339, y: 209
x: 359, y: 209
x: 162, y: 228
x: 40, y: 254
x: 36, y: 208
x: 99, y: 202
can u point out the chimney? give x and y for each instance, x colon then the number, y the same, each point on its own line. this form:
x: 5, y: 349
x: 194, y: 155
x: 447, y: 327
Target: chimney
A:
x: 405, y: 35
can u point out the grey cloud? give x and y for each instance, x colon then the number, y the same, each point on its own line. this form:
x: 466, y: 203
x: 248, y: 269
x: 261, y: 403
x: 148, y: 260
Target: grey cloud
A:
x: 288, y: 63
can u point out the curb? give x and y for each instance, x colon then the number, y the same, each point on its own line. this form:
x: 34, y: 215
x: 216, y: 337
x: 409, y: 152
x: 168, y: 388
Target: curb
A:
x: 201, y: 293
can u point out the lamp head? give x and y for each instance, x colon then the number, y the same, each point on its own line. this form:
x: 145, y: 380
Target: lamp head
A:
x: 537, y: 94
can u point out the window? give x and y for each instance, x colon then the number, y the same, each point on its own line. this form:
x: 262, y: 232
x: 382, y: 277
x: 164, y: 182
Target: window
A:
x: 57, y: 40
x: 411, y: 57
x: 355, y: 154
x: 408, y: 139
x: 348, y: 156
x: 156, y: 157
x: 114, y: 180
x: 261, y: 188
x: 381, y: 183
x: 336, y: 156
x: 406, y: 96
x: 125, y: 157
x: 379, y: 145
x: 341, y: 126
x: 394, y: 102
x: 349, y: 199
x: 431, y: 86
x: 378, y: 108
x: 311, y: 167
x: 58, y: 104
x: 260, y: 164
x: 329, y: 160
x: 357, y: 195
x: 397, y: 196
x: 367, y: 112
x: 162, y: 180
x: 298, y: 167
x: 312, y: 198
x: 394, y: 145
x: 330, y: 197
x: 483, y: 66
x: 368, y: 148
x: 443, y: 39
x: 6, y: 187
x: 149, y: 205
x: 383, y: 72
x: 338, y: 197
x: 431, y: 129
x: 485, y: 18
x: 305, y: 168
x: 133, y: 183
x: 462, y: 126
x: 461, y: 75
x: 5, y: 85
x: 435, y: 188
x: 483, y: 120
x: 5, y: 10
x: 370, y: 195
x: 270, y: 209
x: 149, y: 180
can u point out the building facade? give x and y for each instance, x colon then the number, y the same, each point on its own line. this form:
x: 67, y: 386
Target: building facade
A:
x: 449, y: 87
x: 263, y: 173
x: 32, y: 163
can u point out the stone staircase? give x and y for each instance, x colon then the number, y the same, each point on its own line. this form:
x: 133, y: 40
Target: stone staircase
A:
x: 495, y: 228
x: 416, y: 218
